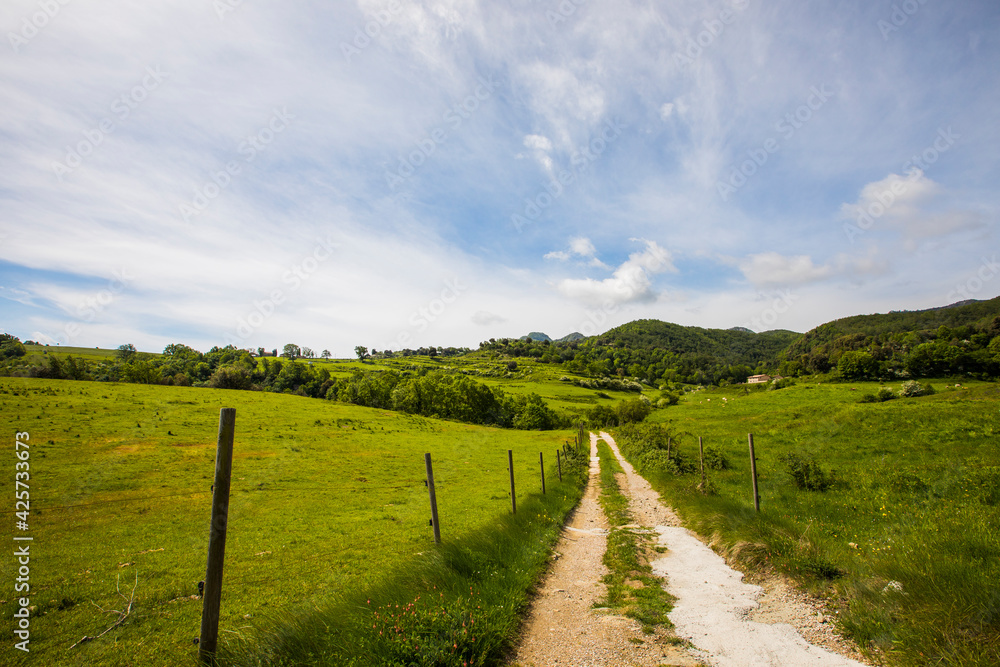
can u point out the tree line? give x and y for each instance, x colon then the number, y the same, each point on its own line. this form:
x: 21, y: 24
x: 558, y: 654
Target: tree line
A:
x: 430, y: 393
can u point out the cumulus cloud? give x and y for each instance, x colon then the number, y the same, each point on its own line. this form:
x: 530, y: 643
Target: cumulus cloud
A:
x: 630, y: 283
x: 560, y: 255
x: 667, y: 110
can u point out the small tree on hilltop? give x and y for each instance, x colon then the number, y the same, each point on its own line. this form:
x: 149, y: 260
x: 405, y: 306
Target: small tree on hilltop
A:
x: 125, y: 352
x: 291, y: 351
x: 326, y: 354
x: 362, y: 352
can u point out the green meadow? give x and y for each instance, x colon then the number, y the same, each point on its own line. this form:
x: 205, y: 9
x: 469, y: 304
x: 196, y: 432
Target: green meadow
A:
x: 888, y: 509
x: 325, y: 498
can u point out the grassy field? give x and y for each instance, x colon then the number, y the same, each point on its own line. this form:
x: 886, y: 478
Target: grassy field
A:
x: 906, y: 538
x: 325, y: 498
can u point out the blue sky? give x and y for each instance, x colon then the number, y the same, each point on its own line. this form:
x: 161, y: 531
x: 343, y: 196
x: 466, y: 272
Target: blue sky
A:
x: 403, y: 173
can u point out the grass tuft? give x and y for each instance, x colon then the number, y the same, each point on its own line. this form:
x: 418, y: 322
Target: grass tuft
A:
x: 632, y: 589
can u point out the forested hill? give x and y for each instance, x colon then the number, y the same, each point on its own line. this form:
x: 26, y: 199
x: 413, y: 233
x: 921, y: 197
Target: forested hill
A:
x: 976, y: 315
x: 958, y: 340
x: 729, y: 346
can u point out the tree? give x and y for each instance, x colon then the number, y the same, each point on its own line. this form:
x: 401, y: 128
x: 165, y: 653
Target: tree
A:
x: 10, y: 346
x: 362, y: 352
x: 291, y: 351
x: 326, y: 354
x: 125, y: 352
x: 857, y: 365
x: 308, y: 353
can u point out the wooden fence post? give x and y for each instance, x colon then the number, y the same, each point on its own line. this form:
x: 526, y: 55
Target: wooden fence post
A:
x: 559, y: 464
x: 434, y: 502
x: 753, y: 473
x: 510, y: 467
x: 541, y: 464
x: 212, y: 596
x: 701, y: 457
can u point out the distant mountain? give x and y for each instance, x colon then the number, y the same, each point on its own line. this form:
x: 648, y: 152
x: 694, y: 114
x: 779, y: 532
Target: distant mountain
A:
x: 538, y: 337
x: 743, y: 329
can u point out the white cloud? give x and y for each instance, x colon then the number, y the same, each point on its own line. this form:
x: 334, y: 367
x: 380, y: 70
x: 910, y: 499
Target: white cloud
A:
x: 913, y: 204
x: 485, y: 319
x: 631, y: 282
x: 538, y: 142
x: 772, y: 269
x: 667, y: 110
x: 582, y: 247
x: 560, y: 255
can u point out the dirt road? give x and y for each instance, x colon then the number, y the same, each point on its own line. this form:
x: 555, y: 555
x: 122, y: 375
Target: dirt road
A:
x: 726, y: 621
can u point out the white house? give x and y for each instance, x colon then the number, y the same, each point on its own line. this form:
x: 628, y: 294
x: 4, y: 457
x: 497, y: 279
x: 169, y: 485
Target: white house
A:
x: 758, y: 379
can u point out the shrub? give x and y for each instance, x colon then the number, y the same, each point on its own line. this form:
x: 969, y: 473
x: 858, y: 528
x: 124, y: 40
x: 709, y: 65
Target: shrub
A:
x: 868, y: 398
x: 807, y: 473
x: 913, y: 389
x: 884, y: 394
x: 668, y: 398
x: 632, y: 411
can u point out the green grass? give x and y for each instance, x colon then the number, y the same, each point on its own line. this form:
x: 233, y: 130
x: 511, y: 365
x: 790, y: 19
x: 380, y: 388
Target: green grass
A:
x: 631, y: 587
x: 326, y: 498
x: 90, y: 352
x: 905, y: 542
x: 457, y: 605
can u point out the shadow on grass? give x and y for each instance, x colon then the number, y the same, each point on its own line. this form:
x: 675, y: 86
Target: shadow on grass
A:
x: 456, y: 604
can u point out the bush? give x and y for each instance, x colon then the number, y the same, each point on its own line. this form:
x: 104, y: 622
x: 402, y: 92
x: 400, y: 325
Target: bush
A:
x: 868, y: 398
x: 807, y: 473
x: 668, y: 398
x: 884, y: 394
x: 633, y: 410
x: 913, y: 389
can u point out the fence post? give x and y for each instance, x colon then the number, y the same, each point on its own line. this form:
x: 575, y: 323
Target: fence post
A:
x: 434, y: 502
x: 559, y: 464
x: 212, y: 597
x: 701, y: 457
x: 541, y: 464
x: 753, y: 473
x: 510, y: 467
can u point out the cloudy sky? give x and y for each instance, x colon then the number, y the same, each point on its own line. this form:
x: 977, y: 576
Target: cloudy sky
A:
x: 398, y: 173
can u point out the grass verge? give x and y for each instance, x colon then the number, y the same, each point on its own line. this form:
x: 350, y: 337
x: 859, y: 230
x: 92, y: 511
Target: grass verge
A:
x: 456, y: 605
x: 632, y: 589
x: 889, y: 510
